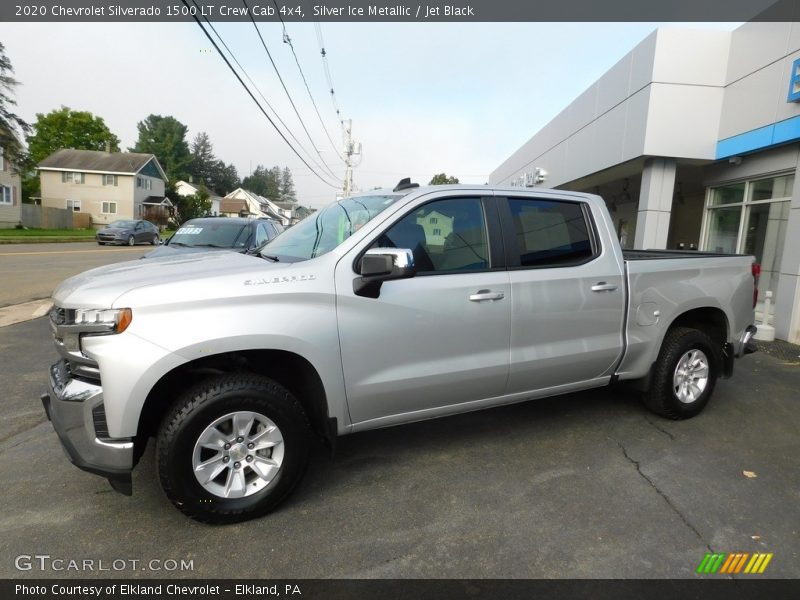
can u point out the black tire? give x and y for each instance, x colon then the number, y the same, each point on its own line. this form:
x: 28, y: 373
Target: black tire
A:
x: 131, y: 240
x: 662, y: 398
x: 155, y: 240
x: 198, y: 408
x: 101, y: 243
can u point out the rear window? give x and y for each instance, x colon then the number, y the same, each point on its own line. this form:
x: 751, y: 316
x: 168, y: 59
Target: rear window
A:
x: 550, y: 233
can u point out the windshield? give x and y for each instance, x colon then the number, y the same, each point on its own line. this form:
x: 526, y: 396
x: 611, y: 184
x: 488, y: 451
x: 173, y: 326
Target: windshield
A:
x: 219, y: 233
x: 123, y: 224
x: 322, y: 231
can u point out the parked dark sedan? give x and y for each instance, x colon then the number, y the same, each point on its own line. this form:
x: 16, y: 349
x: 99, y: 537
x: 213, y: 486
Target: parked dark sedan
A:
x: 219, y: 233
x: 130, y: 232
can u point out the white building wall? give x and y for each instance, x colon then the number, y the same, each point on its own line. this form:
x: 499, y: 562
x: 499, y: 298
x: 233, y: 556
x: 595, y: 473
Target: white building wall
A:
x: 757, y: 77
x: 664, y: 98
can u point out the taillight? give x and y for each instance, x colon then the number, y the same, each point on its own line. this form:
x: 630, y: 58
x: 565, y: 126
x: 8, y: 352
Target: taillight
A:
x: 755, y: 269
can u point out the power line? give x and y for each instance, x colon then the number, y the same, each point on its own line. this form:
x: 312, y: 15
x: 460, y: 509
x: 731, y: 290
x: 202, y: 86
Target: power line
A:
x: 288, y: 40
x: 288, y: 95
x: 247, y: 76
x: 321, y: 43
x: 261, y: 108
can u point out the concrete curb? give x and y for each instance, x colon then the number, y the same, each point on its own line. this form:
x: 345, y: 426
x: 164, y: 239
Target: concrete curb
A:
x: 10, y: 315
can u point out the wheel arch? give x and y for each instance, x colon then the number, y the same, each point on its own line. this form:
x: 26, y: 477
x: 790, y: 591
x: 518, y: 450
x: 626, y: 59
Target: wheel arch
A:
x: 290, y: 370
x: 709, y: 319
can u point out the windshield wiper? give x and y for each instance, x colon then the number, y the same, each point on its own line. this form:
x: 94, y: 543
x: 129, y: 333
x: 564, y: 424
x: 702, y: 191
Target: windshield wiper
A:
x: 175, y: 244
x: 270, y: 257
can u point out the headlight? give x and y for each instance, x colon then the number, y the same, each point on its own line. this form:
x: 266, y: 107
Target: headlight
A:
x: 112, y: 320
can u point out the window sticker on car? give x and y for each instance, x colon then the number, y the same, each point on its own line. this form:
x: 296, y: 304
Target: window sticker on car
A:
x: 189, y: 230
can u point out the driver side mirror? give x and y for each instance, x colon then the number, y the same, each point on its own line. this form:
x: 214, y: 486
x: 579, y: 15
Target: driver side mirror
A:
x: 383, y: 264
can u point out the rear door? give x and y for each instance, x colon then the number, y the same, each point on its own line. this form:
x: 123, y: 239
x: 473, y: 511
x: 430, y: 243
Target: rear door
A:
x: 568, y: 294
x: 438, y: 339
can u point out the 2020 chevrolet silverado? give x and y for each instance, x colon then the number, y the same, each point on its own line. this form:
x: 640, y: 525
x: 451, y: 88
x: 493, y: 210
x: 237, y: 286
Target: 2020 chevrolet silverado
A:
x: 381, y: 309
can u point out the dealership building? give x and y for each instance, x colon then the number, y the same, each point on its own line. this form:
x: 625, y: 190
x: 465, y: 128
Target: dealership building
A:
x: 693, y: 140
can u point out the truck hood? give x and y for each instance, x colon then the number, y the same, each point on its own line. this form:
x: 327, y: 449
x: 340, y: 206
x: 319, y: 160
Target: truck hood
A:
x: 98, y: 288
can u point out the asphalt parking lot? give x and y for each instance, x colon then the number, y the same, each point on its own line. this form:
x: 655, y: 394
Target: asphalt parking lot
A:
x: 584, y: 485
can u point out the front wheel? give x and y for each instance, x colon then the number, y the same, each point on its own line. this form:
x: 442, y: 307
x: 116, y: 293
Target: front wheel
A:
x: 156, y: 239
x: 685, y: 374
x: 232, y: 448
x: 131, y: 240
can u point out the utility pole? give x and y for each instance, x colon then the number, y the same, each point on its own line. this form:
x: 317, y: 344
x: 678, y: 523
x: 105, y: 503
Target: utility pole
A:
x: 351, y: 149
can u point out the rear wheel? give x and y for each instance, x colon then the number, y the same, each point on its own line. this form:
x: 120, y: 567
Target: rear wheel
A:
x: 232, y: 448
x: 685, y: 374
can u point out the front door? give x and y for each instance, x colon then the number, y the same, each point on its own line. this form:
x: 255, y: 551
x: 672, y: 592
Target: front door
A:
x: 438, y: 339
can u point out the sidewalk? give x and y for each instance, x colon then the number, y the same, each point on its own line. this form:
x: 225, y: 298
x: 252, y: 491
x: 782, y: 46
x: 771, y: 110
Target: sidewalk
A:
x: 10, y: 315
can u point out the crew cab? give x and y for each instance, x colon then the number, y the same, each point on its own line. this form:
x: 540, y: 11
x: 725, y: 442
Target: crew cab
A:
x: 383, y: 308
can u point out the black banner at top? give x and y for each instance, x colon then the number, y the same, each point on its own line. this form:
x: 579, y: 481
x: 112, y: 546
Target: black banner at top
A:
x: 353, y: 11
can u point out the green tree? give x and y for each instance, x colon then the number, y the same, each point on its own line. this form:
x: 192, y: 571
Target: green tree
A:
x: 287, y: 193
x: 442, y: 179
x: 207, y: 168
x: 204, y: 162
x: 64, y: 128
x: 264, y: 182
x: 188, y: 207
x: 166, y: 138
x: 12, y: 127
x: 226, y: 178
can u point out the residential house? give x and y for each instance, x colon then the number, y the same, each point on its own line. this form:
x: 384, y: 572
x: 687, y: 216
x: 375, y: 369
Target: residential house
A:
x: 187, y: 188
x: 286, y: 210
x: 437, y: 227
x: 241, y: 203
x: 244, y: 203
x: 10, y: 190
x: 108, y: 186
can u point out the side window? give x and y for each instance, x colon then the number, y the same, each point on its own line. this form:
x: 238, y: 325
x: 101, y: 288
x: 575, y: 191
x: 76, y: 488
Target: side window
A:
x: 445, y: 236
x: 261, y: 234
x: 550, y: 233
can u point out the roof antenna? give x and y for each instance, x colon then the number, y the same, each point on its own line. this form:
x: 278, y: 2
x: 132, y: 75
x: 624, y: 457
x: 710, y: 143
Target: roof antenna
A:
x: 405, y: 184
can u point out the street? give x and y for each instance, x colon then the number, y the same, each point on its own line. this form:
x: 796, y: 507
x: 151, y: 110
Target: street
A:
x: 584, y: 485
x: 30, y: 271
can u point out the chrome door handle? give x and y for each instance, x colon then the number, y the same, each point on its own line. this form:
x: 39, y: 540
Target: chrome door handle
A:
x: 604, y: 287
x: 484, y: 295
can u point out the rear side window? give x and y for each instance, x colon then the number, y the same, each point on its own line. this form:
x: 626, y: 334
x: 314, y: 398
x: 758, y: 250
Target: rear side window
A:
x: 550, y: 233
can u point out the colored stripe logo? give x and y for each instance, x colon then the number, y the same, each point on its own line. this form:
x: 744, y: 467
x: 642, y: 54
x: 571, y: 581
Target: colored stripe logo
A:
x: 733, y: 563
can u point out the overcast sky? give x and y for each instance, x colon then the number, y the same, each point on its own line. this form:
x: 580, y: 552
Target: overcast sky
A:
x: 424, y: 98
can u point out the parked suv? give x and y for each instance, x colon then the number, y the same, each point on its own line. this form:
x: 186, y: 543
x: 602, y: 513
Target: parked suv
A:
x: 219, y: 233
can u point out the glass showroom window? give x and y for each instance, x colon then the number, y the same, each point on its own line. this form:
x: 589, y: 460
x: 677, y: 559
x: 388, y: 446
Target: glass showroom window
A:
x: 750, y: 217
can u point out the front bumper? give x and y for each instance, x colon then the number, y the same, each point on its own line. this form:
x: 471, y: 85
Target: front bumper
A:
x: 74, y: 406
x: 112, y: 238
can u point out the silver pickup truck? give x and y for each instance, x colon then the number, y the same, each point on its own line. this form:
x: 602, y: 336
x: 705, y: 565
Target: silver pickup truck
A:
x: 383, y: 308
